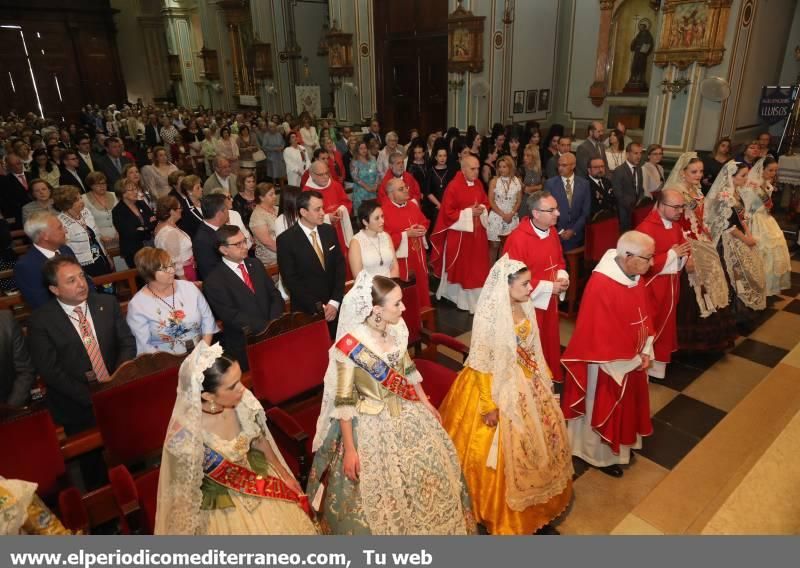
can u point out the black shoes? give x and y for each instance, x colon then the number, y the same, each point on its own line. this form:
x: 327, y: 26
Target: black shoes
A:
x: 548, y: 529
x: 611, y: 470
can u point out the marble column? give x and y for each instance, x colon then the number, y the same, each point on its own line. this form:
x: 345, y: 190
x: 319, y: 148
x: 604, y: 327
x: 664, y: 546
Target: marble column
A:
x: 177, y: 23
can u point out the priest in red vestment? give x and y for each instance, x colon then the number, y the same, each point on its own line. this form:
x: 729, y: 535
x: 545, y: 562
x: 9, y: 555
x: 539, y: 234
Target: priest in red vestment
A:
x: 407, y: 226
x: 536, y: 243
x: 606, y: 400
x: 337, y: 206
x: 397, y: 170
x: 663, y: 279
x: 460, y: 255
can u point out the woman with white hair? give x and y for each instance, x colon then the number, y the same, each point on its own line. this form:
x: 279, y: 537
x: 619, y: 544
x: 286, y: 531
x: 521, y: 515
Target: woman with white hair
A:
x: 391, y: 147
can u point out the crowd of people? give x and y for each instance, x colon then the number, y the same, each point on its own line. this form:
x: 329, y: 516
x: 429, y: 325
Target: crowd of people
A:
x: 226, y: 217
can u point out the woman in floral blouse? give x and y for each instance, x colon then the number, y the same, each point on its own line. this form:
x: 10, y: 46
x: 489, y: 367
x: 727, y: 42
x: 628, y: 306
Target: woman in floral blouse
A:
x: 167, y: 314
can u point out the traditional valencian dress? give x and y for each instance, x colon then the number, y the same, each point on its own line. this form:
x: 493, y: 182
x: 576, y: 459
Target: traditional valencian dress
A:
x: 704, y: 319
x: 724, y: 211
x: 519, y: 473
x: 410, y: 480
x: 771, y: 244
x: 211, y: 486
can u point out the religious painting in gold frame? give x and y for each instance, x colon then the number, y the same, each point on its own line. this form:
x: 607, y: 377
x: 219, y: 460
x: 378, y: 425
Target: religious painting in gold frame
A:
x: 340, y: 52
x: 464, y: 41
x: 693, y: 31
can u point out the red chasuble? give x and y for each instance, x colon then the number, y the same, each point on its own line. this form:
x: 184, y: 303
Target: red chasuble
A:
x: 396, y: 220
x: 466, y: 254
x: 413, y: 187
x: 544, y: 258
x: 613, y: 325
x: 334, y: 196
x: 336, y: 167
x: 663, y: 289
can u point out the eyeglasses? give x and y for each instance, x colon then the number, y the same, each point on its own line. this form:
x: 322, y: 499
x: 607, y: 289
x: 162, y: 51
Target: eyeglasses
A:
x: 240, y: 244
x: 553, y: 210
x: 647, y: 258
x: 166, y: 268
x: 676, y: 207
x: 321, y: 174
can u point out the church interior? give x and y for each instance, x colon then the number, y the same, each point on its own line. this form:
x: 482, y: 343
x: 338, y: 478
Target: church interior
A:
x: 264, y: 100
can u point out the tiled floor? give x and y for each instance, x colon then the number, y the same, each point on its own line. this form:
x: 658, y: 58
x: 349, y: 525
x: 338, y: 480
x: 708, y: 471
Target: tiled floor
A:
x: 695, y: 397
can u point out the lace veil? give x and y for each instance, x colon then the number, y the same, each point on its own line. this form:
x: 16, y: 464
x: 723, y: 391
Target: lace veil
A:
x: 719, y: 202
x: 708, y: 279
x: 181, y: 475
x: 675, y: 178
x: 745, y: 267
x: 752, y: 198
x: 534, y: 473
x: 356, y: 307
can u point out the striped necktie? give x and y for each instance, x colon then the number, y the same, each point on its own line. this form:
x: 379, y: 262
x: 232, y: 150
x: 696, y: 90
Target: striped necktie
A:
x: 92, y: 347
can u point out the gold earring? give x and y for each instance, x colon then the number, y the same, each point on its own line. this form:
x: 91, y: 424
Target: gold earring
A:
x: 212, y: 408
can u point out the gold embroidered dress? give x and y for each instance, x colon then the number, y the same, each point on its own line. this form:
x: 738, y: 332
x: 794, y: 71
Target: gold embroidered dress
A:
x: 519, y: 473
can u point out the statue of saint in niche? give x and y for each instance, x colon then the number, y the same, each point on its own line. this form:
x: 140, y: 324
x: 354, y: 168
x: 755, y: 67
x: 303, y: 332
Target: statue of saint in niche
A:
x: 641, y: 47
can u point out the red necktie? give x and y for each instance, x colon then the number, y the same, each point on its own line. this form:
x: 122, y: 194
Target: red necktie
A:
x: 23, y: 180
x: 246, y: 276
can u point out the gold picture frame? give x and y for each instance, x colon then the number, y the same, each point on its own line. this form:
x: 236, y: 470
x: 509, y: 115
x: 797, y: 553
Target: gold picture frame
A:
x: 693, y: 31
x: 340, y: 52
x: 464, y: 41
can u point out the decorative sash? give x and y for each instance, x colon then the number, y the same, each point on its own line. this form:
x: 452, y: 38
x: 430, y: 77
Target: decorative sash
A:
x: 248, y: 482
x: 378, y: 369
x: 525, y: 359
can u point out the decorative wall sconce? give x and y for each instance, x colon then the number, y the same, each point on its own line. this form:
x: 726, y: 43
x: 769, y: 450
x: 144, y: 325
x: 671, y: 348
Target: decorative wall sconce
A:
x: 210, y: 63
x: 261, y: 59
x: 174, y: 65
x: 676, y: 86
x: 456, y: 84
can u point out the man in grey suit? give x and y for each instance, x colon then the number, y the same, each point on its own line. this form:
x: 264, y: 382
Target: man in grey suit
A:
x: 113, y: 162
x: 627, y: 181
x: 222, y: 177
x: 590, y: 148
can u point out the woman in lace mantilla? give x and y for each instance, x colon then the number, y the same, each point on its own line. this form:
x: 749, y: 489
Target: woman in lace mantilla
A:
x: 705, y: 322
x: 221, y: 472
x: 505, y: 421
x: 383, y: 463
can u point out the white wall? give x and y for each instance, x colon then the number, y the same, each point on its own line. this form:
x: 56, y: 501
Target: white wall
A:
x: 129, y: 45
x: 308, y: 20
x: 765, y: 57
x: 790, y: 68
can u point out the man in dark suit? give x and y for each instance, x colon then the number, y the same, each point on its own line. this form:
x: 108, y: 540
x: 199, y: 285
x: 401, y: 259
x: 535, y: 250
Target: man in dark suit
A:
x: 311, y: 264
x: 152, y: 131
x: 602, y: 193
x: 15, y: 186
x: 204, y: 241
x: 241, y: 293
x: 87, y: 161
x: 628, y: 180
x: 375, y: 133
x: 16, y: 370
x: 113, y: 162
x: 564, y: 147
x: 591, y: 148
x: 76, y: 339
x: 70, y: 174
x: 574, y: 202
x: 48, y: 237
